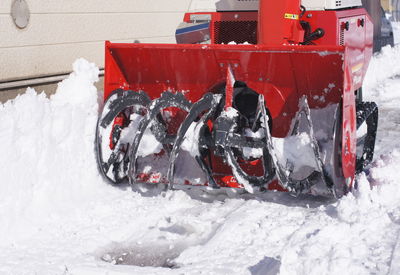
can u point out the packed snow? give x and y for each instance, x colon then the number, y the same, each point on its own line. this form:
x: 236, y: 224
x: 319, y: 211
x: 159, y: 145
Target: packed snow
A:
x: 58, y: 216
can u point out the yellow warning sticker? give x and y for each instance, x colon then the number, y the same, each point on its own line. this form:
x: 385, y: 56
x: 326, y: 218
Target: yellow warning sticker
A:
x: 291, y: 16
x: 357, y: 67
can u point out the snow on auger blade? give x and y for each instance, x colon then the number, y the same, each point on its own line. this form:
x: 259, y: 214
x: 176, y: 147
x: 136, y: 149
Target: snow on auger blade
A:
x: 114, y: 128
x: 282, y: 114
x: 166, y: 101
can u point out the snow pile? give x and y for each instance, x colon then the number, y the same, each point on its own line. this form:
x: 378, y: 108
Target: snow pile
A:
x: 396, y: 32
x: 384, y: 66
x: 382, y: 85
x: 356, y: 235
x: 46, y: 146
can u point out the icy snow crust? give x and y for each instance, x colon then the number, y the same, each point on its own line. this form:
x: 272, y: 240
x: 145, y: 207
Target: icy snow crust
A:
x: 58, y: 216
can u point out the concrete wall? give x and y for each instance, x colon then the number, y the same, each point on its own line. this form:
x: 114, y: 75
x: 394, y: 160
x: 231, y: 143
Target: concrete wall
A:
x: 61, y: 31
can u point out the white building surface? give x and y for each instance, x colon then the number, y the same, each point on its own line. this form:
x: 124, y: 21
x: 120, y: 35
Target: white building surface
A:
x: 60, y: 31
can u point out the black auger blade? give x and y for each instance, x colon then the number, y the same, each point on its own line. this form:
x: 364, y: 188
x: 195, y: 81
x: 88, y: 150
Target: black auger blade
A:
x: 117, y: 103
x: 282, y: 173
x: 208, y: 103
x: 166, y: 100
x: 227, y: 138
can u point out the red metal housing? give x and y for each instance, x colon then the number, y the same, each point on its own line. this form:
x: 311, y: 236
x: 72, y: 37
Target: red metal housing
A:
x: 274, y: 64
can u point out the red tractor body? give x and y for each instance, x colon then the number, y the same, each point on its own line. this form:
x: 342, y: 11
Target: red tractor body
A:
x: 283, y: 53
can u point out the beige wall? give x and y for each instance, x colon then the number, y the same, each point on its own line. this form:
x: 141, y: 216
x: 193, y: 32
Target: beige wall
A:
x: 61, y: 31
x: 385, y: 4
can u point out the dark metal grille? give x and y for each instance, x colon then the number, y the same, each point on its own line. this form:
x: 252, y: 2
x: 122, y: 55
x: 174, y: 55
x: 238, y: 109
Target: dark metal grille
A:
x: 341, y: 38
x: 237, y: 31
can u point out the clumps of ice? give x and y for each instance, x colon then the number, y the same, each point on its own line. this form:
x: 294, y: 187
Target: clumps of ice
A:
x: 230, y: 113
x: 191, y: 141
x: 149, y: 144
x: 234, y: 43
x: 296, y: 150
x: 253, y: 152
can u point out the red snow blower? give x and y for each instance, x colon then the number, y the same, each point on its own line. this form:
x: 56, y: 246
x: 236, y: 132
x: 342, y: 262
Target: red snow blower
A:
x: 260, y: 94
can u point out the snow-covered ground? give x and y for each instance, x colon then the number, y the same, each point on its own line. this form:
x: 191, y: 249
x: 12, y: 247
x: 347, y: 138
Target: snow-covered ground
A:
x: 396, y: 31
x: 58, y: 216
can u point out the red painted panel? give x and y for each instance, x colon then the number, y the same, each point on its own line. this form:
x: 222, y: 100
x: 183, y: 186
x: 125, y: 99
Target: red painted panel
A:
x: 282, y: 74
x: 325, y: 72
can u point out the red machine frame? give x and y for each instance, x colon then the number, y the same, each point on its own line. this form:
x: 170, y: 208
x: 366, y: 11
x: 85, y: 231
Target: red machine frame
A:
x: 281, y: 72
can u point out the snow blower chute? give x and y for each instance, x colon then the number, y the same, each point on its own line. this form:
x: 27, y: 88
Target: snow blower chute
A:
x: 260, y: 94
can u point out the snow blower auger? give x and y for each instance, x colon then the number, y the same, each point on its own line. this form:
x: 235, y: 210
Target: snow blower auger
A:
x: 259, y: 95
